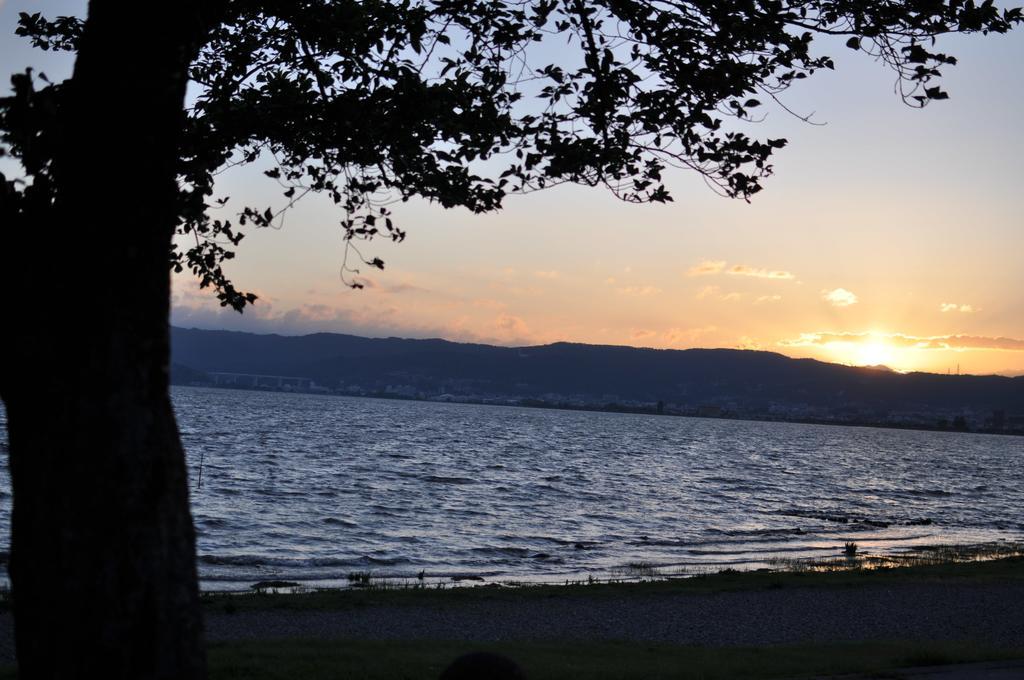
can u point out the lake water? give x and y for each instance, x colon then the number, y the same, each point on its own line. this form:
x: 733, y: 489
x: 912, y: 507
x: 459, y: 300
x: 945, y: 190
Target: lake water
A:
x: 312, y: 488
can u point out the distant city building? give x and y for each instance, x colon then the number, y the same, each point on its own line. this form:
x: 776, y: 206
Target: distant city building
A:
x: 254, y: 381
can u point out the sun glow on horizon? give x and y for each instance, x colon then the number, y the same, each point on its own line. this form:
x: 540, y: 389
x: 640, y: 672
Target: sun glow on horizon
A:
x: 874, y: 353
x: 871, y: 350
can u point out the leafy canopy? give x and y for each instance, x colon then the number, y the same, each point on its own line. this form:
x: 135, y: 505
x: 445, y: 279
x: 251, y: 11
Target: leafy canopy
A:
x: 465, y: 101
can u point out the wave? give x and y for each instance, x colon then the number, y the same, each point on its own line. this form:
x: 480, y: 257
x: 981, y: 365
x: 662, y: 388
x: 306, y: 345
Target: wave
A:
x: 440, y: 479
x: 386, y: 510
x: 507, y: 551
x: 856, y: 522
x: 793, y: 531
x: 816, y: 547
x: 576, y: 544
x: 777, y: 537
x: 298, y: 562
x: 340, y: 522
x: 838, y: 518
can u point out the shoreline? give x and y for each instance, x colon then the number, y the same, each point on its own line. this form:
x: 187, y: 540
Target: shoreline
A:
x: 631, y: 573
x: 294, y: 596
x: 624, y: 409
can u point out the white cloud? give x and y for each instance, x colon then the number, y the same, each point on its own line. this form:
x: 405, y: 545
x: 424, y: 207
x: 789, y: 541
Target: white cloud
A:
x: 839, y: 297
x: 954, y: 307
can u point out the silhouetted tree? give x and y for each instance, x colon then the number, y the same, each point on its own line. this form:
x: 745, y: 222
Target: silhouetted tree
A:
x: 451, y: 100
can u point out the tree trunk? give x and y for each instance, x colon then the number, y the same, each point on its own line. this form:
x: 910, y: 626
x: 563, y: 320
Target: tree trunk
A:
x: 103, y: 549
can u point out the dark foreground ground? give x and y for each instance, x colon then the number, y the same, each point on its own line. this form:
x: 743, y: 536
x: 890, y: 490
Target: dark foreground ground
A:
x: 757, y: 625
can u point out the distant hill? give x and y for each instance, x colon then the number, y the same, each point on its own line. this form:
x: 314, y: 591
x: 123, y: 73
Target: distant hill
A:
x: 741, y: 381
x: 183, y: 375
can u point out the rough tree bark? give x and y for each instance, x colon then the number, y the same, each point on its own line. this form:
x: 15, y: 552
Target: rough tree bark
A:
x: 103, y: 549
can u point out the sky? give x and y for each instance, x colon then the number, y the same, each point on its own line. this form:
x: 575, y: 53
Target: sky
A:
x: 887, y: 235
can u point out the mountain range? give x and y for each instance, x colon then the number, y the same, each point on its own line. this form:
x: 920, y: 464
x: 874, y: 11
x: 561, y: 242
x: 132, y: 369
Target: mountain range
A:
x: 740, y: 381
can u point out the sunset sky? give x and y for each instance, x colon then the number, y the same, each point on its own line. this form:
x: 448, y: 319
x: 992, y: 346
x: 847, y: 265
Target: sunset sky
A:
x: 887, y: 236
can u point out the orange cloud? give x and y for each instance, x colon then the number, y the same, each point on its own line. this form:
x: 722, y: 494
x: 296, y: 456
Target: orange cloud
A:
x: 707, y: 291
x: 511, y: 327
x: 707, y: 268
x: 940, y: 342
x: 714, y: 267
x: 487, y: 303
x: 716, y: 293
x: 759, y: 272
x: 746, y: 342
x: 639, y: 290
x: 686, y: 336
x: 388, y: 288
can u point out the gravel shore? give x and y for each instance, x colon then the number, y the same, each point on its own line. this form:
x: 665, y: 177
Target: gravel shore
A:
x: 990, y: 613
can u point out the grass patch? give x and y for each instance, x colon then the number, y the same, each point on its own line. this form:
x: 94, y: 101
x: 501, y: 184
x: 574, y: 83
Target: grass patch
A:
x: 637, y: 571
x: 321, y: 660
x: 934, y: 555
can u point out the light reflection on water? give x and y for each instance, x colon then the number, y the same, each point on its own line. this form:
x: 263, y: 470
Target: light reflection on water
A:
x: 311, y: 488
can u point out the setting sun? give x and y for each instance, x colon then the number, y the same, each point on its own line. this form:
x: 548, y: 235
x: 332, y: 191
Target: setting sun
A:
x: 873, y: 353
x: 870, y: 350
